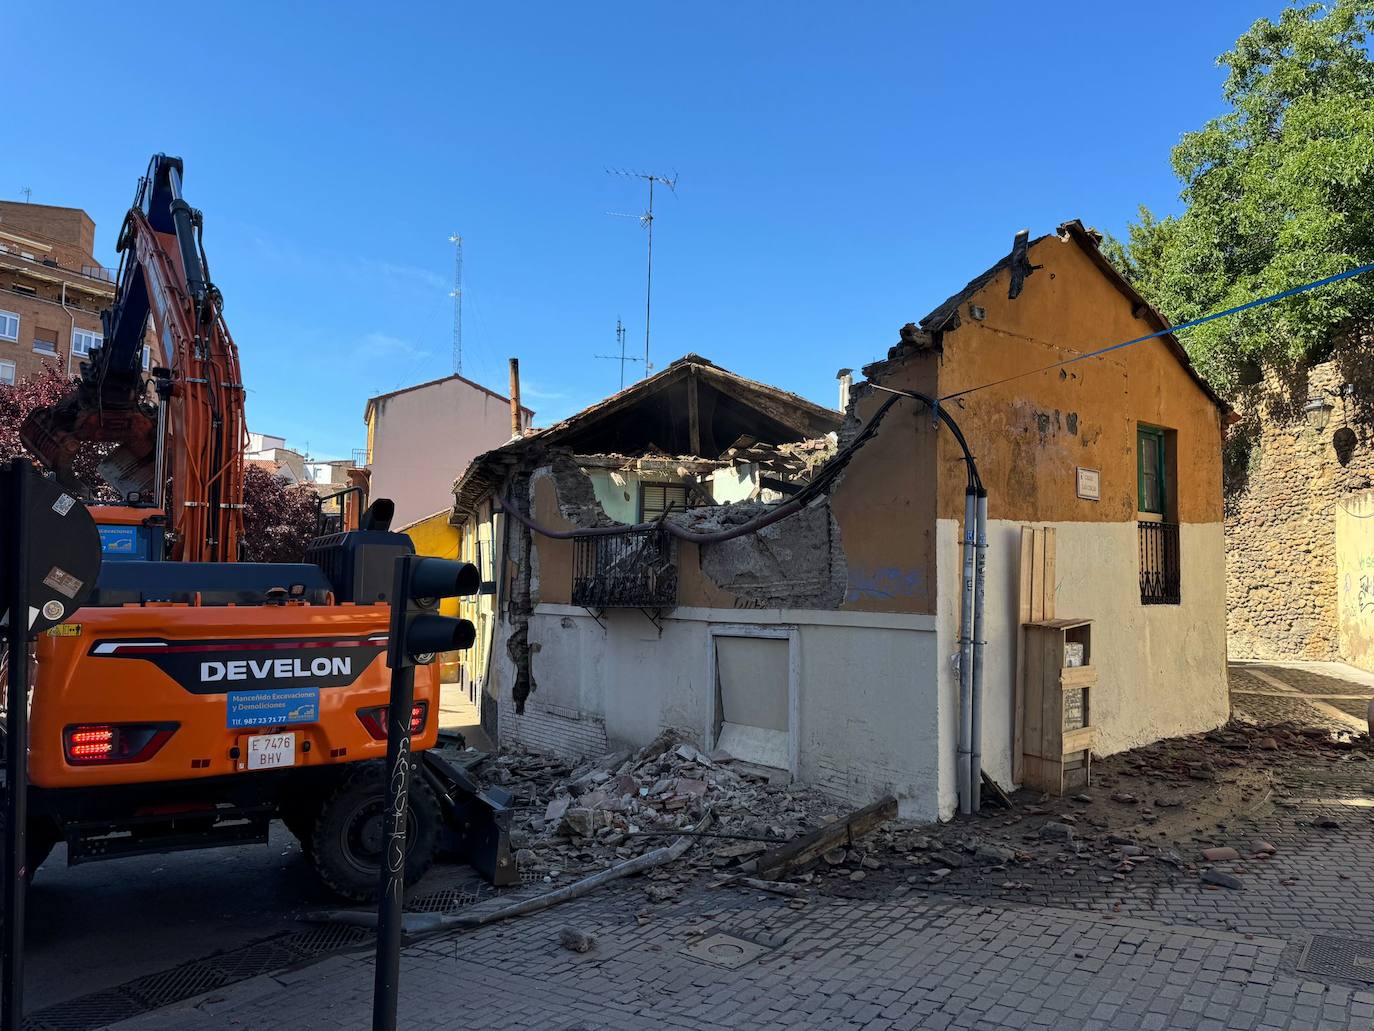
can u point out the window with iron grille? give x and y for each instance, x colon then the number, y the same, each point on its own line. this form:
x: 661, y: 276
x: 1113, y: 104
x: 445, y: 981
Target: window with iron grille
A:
x: 634, y: 569
x: 1160, y: 572
x: 657, y: 498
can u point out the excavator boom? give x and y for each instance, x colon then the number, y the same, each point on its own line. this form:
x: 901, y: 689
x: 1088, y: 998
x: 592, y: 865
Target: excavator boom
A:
x: 179, y: 445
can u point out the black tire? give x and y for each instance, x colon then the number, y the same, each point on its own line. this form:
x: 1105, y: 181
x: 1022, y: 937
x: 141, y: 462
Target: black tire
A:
x: 347, y: 840
x: 41, y: 839
x: 298, y: 815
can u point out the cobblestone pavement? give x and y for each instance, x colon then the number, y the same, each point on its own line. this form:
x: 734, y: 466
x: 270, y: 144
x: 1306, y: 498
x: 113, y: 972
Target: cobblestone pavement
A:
x: 1271, y: 691
x: 1293, y: 948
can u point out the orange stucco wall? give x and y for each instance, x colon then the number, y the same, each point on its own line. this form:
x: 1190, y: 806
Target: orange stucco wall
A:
x: 1030, y: 435
x: 885, y: 504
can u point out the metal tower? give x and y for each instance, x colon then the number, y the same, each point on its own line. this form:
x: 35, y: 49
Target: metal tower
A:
x: 457, y: 295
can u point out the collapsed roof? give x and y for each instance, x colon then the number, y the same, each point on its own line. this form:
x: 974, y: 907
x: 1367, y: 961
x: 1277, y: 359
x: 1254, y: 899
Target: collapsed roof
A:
x: 692, y: 409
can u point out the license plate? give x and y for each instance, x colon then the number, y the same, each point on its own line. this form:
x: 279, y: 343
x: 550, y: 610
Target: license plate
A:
x: 271, y: 751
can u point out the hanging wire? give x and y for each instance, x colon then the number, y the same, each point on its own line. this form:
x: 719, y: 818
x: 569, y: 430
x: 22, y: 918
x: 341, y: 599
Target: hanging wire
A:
x: 1257, y: 302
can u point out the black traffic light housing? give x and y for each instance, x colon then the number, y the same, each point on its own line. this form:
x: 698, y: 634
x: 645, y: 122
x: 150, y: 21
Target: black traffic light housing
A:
x: 418, y: 631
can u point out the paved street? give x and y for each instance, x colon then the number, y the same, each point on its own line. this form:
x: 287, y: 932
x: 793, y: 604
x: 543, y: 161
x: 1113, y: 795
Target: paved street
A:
x: 1293, y: 948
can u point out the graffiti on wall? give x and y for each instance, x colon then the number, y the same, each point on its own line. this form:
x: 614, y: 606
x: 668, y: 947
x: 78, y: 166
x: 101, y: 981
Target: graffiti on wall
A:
x: 885, y: 583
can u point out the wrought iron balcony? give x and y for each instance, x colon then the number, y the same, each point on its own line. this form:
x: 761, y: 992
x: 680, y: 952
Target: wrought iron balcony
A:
x: 1160, y: 571
x: 634, y: 569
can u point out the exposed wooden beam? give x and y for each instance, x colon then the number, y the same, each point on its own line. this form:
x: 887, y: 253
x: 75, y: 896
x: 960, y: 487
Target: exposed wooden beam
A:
x: 693, y: 413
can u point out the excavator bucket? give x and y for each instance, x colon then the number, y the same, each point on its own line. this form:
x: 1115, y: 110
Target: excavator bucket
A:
x: 477, y: 820
x: 61, y: 435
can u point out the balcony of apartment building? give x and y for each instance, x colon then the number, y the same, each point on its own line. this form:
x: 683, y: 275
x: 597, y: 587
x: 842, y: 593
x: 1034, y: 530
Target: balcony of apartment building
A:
x: 35, y: 275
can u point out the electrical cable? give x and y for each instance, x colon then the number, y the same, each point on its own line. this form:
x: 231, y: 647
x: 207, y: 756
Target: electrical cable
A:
x: 1190, y: 324
x: 793, y: 505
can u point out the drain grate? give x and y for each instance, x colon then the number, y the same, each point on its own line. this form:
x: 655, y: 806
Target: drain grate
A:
x: 327, y: 938
x: 252, y: 960
x: 1348, y: 958
x: 90, y: 1011
x: 178, y: 983
x: 204, y: 975
x: 444, y: 901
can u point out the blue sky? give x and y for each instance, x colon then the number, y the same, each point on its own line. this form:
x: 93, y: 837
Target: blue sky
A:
x: 842, y: 169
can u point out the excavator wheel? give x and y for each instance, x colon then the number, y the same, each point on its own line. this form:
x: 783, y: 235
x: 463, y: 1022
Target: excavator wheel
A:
x: 349, y: 835
x: 41, y: 838
x: 298, y: 816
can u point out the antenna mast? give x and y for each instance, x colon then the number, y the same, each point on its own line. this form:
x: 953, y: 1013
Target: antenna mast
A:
x: 622, y: 357
x: 647, y: 221
x: 457, y: 295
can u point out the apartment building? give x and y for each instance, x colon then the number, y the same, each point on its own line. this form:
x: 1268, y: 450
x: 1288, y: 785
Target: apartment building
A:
x: 52, y: 290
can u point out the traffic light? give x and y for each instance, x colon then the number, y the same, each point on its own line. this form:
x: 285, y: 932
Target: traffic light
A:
x: 418, y: 631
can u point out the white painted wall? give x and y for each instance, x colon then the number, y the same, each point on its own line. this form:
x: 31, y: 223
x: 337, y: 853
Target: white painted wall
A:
x: 866, y: 705
x: 1161, y: 668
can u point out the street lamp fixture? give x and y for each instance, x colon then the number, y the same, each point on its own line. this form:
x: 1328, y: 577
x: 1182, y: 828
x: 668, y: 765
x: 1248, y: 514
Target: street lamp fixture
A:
x: 1317, y: 411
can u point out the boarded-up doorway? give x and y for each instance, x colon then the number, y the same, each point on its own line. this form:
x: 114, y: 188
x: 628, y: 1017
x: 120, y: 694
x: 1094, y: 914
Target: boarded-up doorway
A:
x: 754, y: 681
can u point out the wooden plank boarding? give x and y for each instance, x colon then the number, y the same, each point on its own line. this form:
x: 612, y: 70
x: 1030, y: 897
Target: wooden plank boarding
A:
x: 1035, y: 604
x: 776, y: 863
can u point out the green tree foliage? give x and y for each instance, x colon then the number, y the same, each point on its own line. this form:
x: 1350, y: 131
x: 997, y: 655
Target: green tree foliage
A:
x: 278, y: 517
x: 1279, y: 191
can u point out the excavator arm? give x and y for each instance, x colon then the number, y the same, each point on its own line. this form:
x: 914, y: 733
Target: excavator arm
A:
x: 181, y: 443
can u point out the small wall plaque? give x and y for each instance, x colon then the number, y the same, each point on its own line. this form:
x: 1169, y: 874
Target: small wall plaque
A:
x: 1089, y: 484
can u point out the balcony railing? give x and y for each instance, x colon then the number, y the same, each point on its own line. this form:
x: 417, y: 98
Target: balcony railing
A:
x: 634, y: 569
x: 100, y: 272
x: 1160, y: 571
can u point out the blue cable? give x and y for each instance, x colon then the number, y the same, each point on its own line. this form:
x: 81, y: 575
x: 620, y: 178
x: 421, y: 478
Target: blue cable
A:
x: 1292, y: 291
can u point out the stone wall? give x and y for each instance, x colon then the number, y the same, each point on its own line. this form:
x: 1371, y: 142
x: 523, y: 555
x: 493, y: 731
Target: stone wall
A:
x: 1284, y: 481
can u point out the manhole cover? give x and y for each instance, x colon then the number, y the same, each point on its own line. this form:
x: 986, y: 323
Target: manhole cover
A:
x: 725, y: 950
x: 1349, y: 958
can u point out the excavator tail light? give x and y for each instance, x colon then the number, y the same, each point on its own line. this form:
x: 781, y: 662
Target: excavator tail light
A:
x: 107, y: 744
x: 374, y: 719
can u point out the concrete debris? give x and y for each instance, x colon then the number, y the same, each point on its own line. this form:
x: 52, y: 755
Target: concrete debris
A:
x: 1221, y: 879
x: 1057, y: 831
x: 1220, y: 855
x: 576, y: 941
x: 576, y: 817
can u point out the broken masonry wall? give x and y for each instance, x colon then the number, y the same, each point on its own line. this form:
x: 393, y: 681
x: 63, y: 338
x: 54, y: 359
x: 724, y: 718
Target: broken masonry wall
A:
x: 796, y: 563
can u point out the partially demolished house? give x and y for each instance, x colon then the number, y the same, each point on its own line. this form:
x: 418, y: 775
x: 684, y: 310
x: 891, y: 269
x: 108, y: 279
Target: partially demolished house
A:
x: 802, y: 610
x: 692, y: 437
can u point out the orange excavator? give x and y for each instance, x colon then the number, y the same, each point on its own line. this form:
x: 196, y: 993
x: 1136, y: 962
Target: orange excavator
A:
x: 195, y: 698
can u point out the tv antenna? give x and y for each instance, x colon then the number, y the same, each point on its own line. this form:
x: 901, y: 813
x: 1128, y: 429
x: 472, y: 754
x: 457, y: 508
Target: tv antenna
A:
x: 647, y: 221
x: 28, y: 194
x: 457, y: 294
x: 622, y: 357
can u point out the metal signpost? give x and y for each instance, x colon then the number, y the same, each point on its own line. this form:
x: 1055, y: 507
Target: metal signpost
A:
x: 50, y: 556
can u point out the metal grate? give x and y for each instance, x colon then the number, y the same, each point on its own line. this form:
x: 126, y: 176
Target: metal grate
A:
x: 190, y: 979
x: 327, y: 938
x: 86, y: 1013
x: 446, y: 901
x: 1160, y: 571
x: 625, y: 570
x: 178, y: 983
x: 1347, y: 958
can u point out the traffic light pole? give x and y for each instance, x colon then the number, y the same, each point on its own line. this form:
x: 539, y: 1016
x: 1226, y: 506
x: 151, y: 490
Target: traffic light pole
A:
x: 398, y: 769
x: 16, y: 559
x: 417, y: 634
